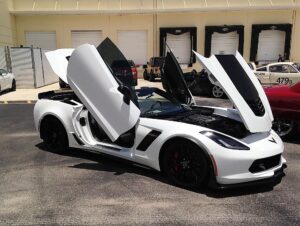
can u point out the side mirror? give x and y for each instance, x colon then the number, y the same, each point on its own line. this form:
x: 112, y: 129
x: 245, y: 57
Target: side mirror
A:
x: 126, y: 94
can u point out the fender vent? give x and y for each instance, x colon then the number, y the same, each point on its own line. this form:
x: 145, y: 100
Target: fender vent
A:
x: 147, y: 141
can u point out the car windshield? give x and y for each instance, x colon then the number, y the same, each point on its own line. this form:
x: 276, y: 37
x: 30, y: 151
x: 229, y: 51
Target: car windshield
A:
x: 297, y: 66
x: 154, y: 102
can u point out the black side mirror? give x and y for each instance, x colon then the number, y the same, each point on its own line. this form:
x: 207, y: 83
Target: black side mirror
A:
x: 126, y: 94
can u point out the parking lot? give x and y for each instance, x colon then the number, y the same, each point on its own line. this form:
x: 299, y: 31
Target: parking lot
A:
x: 41, y: 187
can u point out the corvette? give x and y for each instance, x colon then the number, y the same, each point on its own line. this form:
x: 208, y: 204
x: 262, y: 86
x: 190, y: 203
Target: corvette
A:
x: 164, y: 130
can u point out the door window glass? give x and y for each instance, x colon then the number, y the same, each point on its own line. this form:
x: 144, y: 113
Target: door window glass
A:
x: 262, y: 69
x: 291, y: 69
x: 279, y: 69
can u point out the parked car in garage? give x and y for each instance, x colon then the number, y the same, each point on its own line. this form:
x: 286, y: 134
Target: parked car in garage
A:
x: 285, y: 104
x: 200, y: 85
x: 286, y: 73
x: 7, y: 81
x: 152, y: 69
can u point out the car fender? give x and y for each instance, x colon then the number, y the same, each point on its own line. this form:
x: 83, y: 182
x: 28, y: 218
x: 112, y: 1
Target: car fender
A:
x: 60, y: 110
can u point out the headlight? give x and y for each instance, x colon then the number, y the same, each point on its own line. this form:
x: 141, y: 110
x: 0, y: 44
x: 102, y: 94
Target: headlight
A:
x: 225, y: 141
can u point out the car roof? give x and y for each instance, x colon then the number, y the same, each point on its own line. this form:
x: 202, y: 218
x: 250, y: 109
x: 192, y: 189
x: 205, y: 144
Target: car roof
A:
x: 278, y: 63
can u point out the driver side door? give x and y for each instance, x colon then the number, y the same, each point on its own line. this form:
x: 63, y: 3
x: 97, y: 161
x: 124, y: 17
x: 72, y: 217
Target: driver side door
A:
x: 109, y: 103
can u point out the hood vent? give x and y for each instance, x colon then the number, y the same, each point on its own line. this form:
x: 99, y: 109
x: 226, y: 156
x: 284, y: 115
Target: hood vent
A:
x: 257, y: 107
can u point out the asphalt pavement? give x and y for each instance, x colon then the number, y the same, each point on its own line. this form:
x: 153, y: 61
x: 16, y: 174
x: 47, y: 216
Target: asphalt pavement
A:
x: 38, y: 187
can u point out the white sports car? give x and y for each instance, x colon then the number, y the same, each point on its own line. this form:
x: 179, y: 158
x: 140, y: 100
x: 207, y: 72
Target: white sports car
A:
x: 7, y: 81
x: 193, y: 145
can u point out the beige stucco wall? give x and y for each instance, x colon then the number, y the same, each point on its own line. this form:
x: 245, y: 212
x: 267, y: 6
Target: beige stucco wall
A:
x: 64, y: 24
x: 295, y: 45
x: 7, y: 24
x: 111, y: 24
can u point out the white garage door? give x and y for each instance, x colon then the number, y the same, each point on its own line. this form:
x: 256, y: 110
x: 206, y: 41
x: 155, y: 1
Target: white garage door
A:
x: 133, y: 45
x: 83, y: 37
x: 270, y: 45
x: 227, y: 43
x: 180, y: 46
x: 44, y: 40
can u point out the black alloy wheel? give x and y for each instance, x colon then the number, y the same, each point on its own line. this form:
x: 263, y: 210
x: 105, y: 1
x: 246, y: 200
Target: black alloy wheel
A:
x: 185, y: 164
x: 284, y: 127
x: 54, y: 135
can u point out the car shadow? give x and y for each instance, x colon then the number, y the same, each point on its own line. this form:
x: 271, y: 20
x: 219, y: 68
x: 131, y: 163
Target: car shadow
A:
x: 106, y: 163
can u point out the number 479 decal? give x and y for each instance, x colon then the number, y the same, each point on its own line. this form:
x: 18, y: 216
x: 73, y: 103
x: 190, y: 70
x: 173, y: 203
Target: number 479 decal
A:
x: 284, y: 81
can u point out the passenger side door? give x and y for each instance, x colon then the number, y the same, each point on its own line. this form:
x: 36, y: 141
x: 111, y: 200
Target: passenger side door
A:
x: 279, y: 74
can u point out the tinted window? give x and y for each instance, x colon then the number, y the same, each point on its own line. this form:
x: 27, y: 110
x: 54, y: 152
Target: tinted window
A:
x: 279, y: 69
x: 262, y: 69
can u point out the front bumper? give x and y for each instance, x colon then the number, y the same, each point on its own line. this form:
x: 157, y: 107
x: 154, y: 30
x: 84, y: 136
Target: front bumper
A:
x: 274, y: 180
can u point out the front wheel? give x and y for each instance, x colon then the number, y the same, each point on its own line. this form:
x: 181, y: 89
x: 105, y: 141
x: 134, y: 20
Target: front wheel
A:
x: 185, y: 164
x: 217, y: 91
x: 54, y: 135
x: 284, y: 127
x: 13, y: 85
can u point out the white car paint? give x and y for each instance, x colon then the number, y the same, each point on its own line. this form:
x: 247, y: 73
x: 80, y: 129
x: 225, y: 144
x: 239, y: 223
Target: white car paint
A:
x: 59, y: 62
x: 270, y: 74
x: 92, y: 81
x: 85, y: 60
x: 252, y: 122
x: 6, y: 80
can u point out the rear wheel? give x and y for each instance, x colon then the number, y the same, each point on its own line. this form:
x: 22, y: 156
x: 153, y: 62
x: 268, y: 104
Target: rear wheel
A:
x: 54, y: 135
x: 217, y: 91
x: 13, y: 85
x: 145, y: 75
x: 185, y: 164
x: 284, y: 127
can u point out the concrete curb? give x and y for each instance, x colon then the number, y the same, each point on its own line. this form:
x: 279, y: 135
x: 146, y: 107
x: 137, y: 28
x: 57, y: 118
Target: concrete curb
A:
x: 18, y: 102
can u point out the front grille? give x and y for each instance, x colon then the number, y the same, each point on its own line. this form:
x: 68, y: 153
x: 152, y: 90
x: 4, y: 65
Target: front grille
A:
x: 260, y: 165
x: 257, y: 107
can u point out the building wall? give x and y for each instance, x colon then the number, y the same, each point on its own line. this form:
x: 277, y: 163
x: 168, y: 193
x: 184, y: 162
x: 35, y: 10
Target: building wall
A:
x: 7, y: 24
x: 63, y: 24
x: 295, y: 45
x: 110, y: 24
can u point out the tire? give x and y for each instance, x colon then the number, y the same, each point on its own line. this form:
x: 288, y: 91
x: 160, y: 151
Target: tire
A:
x: 151, y: 77
x: 54, y: 134
x: 217, y: 92
x: 185, y: 164
x: 145, y: 75
x: 285, y: 128
x: 13, y: 85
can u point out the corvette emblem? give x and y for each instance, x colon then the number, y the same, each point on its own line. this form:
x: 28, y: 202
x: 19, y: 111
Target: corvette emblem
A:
x: 273, y: 140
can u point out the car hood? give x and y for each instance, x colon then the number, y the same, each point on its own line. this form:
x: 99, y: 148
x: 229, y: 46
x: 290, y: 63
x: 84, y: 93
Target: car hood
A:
x: 238, y: 81
x: 58, y: 60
